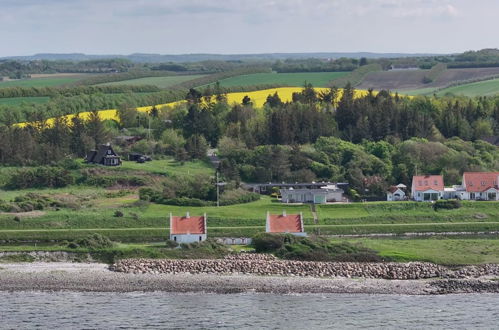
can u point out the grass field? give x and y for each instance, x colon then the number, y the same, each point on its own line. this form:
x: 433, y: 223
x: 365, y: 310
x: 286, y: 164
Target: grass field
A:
x: 169, y: 167
x: 318, y: 79
x: 441, y: 250
x: 42, y: 82
x: 161, y: 82
x: 480, y: 88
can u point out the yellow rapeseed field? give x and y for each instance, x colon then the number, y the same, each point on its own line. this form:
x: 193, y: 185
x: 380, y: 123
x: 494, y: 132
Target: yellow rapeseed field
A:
x: 257, y: 97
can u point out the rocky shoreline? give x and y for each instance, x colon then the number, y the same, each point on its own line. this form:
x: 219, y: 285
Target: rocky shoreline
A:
x: 268, y: 265
x: 154, y: 275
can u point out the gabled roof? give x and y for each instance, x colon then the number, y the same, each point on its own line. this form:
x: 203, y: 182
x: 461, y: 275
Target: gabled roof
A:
x: 428, y: 182
x: 393, y: 189
x: 187, y: 225
x: 480, y: 181
x: 277, y: 223
x: 102, y: 152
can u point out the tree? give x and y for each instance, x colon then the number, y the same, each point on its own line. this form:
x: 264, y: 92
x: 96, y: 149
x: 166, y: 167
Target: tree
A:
x: 95, y: 128
x: 127, y: 115
x: 196, y: 146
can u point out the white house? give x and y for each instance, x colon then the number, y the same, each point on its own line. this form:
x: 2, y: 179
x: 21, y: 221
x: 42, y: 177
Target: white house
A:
x: 427, y: 187
x: 285, y: 224
x: 480, y: 186
x: 328, y: 193
x: 188, y: 229
x: 396, y: 193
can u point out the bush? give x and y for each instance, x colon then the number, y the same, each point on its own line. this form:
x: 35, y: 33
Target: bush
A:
x: 118, y: 214
x: 40, y: 177
x: 94, y: 241
x: 265, y: 242
x: 447, y: 204
x: 291, y: 247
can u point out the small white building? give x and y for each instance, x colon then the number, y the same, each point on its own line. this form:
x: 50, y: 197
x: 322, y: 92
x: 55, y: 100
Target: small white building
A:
x: 285, y: 224
x: 326, y: 194
x: 427, y: 188
x: 396, y: 193
x: 188, y: 229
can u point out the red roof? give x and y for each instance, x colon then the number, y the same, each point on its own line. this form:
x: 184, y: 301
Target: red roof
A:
x: 428, y: 182
x: 480, y: 181
x: 187, y: 225
x: 285, y: 223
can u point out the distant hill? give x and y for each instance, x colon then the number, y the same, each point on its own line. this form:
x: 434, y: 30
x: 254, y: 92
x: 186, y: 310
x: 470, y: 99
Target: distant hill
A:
x: 158, y: 58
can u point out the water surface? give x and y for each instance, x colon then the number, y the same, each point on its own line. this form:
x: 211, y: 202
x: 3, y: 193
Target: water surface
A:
x: 70, y: 310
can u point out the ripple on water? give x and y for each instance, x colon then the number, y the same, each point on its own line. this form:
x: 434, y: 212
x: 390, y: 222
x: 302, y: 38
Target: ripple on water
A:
x: 243, y: 311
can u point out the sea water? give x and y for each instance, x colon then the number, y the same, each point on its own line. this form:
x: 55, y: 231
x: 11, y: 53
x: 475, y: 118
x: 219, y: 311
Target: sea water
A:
x: 75, y: 310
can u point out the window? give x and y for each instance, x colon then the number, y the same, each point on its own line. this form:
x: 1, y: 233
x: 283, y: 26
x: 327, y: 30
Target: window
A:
x: 200, y: 238
x: 483, y: 183
x: 472, y: 195
x: 175, y: 238
x: 491, y: 196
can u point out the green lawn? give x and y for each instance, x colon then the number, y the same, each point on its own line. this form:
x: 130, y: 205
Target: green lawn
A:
x: 441, y: 250
x: 161, y: 82
x: 22, y: 100
x: 41, y: 82
x: 318, y: 79
x: 169, y: 167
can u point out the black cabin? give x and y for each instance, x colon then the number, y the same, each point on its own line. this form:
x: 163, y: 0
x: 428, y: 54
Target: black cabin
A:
x: 104, y: 155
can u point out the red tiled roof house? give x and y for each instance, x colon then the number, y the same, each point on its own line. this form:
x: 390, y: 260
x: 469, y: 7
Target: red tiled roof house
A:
x: 285, y: 224
x: 427, y: 187
x: 187, y: 229
x: 481, y: 186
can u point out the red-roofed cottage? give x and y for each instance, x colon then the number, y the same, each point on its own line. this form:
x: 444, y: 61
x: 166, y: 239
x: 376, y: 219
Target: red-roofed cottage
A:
x: 427, y: 187
x: 481, y: 186
x: 187, y: 229
x: 285, y: 224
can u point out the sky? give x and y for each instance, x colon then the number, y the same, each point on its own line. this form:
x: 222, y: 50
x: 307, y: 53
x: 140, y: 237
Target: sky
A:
x: 246, y: 26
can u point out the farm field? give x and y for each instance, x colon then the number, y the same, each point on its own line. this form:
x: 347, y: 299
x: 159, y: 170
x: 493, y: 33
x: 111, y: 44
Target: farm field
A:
x: 408, y: 81
x: 161, y: 82
x: 480, y: 88
x: 46, y: 81
x: 317, y: 79
x: 257, y: 97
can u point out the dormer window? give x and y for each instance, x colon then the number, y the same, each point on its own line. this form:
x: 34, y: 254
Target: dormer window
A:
x: 435, y: 182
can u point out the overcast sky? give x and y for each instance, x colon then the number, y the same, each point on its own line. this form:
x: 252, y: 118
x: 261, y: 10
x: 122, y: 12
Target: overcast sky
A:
x: 246, y: 26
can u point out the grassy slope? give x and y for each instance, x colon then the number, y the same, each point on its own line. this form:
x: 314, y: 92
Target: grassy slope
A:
x: 450, y: 251
x: 318, y: 79
x: 169, y: 167
x: 480, y: 88
x: 161, y: 82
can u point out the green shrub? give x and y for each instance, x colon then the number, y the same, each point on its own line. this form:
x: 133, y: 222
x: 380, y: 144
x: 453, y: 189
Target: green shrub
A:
x: 40, y: 177
x: 447, y: 204
x: 265, y: 242
x: 93, y: 242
